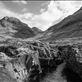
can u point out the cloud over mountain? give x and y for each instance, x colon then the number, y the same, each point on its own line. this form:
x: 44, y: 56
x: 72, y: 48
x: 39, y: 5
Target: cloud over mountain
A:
x: 52, y: 13
x: 56, y: 10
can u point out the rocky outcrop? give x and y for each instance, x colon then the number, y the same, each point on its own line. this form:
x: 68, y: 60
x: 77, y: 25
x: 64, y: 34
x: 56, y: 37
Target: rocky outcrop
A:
x: 33, y: 60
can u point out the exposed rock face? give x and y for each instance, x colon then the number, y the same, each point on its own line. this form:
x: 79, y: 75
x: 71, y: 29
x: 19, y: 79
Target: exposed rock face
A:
x: 13, y: 64
x: 13, y: 27
x: 31, y: 61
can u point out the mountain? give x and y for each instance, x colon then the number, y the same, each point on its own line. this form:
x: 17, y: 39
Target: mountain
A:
x: 13, y: 27
x: 69, y: 27
x: 37, y: 30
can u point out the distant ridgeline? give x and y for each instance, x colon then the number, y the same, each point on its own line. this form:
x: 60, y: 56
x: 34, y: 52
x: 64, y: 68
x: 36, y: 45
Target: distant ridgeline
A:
x: 31, y: 61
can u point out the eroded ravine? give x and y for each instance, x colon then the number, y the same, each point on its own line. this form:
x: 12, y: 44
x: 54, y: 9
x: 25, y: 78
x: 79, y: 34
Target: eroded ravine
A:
x: 56, y: 76
x: 27, y: 60
x: 62, y: 74
x: 70, y: 75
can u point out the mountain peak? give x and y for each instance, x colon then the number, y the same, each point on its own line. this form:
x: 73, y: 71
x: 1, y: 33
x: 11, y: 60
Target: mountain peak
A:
x: 10, y: 19
x: 15, y: 28
x: 36, y: 30
x: 5, y: 18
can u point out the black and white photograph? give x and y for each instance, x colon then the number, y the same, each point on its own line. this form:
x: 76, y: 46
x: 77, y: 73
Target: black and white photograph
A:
x: 40, y: 40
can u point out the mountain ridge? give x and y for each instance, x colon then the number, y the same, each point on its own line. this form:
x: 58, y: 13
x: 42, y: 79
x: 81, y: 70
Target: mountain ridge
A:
x: 37, y: 30
x: 69, y: 27
x: 13, y: 27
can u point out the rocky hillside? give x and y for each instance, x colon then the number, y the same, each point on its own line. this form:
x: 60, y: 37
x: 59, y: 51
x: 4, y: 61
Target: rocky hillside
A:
x: 37, y: 30
x: 69, y: 27
x: 13, y: 27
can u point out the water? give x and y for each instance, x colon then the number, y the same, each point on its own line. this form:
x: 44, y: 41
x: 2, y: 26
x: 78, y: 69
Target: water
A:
x: 56, y: 76
x: 71, y: 76
x: 62, y: 74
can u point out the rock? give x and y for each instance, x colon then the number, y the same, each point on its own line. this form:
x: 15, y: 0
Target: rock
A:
x: 70, y: 56
x: 31, y: 60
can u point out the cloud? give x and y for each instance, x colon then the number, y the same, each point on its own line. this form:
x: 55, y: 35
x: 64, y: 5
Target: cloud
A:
x: 26, y: 15
x: 24, y: 10
x: 56, y: 10
x: 5, y: 12
x: 23, y: 2
x: 20, y: 2
x: 54, y: 13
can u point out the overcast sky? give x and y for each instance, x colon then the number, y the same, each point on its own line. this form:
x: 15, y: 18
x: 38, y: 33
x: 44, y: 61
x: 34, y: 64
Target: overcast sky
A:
x: 41, y: 14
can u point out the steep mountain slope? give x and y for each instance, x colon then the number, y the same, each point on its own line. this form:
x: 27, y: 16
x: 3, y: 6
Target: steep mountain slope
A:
x: 13, y: 27
x: 69, y: 27
x: 37, y: 30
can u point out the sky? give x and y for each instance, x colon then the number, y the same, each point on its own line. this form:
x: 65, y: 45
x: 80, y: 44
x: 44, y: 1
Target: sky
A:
x: 40, y: 14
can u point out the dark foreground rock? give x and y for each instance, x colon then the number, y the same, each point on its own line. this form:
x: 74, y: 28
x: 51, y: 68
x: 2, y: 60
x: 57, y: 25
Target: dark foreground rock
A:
x: 31, y: 61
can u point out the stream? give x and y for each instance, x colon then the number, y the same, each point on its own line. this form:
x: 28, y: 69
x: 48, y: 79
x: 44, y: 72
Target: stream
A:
x: 62, y: 74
